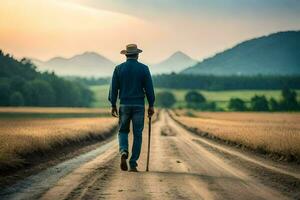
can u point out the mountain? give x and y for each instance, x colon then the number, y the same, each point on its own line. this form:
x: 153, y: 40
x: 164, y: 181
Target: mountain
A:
x: 86, y: 64
x: 92, y: 64
x: 275, y: 54
x: 175, y: 63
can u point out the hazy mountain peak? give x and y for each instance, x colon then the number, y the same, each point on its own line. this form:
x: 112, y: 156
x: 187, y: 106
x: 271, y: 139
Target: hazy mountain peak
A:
x: 89, y: 54
x: 174, y: 63
x: 58, y: 58
x: 85, y: 64
x: 180, y: 54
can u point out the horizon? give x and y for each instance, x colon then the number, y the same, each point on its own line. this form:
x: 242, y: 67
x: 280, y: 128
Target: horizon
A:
x: 199, y: 28
x: 159, y: 61
x: 100, y: 54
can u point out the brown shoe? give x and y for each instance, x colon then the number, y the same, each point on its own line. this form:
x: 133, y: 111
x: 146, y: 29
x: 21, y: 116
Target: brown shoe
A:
x: 133, y: 169
x: 123, y: 164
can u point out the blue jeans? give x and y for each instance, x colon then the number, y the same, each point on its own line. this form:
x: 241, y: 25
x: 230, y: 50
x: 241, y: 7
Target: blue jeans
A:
x: 136, y: 115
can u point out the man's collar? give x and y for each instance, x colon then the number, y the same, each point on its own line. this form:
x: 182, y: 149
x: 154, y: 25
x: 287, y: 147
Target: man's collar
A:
x: 131, y: 59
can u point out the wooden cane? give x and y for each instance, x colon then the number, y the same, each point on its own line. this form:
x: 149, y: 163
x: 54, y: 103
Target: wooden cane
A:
x: 149, y: 138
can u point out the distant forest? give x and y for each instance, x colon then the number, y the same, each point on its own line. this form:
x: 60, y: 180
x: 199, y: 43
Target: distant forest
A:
x: 207, y: 82
x: 22, y: 85
x: 89, y: 81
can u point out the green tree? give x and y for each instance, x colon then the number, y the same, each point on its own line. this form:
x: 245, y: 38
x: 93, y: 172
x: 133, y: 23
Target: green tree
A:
x: 274, y: 105
x: 289, y: 101
x: 259, y: 103
x: 87, y: 97
x: 208, y: 106
x: 237, y: 104
x: 165, y: 99
x: 16, y: 99
x: 42, y: 94
x: 27, y: 91
x: 4, y: 93
x: 194, y: 99
x: 17, y: 83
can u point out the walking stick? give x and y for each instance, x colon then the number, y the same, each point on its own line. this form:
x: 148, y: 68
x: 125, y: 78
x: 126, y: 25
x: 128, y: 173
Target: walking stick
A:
x: 149, y: 138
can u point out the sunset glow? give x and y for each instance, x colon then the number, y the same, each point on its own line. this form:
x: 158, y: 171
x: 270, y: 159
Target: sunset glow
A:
x: 48, y: 28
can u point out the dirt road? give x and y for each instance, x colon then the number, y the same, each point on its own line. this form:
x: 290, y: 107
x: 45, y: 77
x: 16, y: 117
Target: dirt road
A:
x: 183, y: 166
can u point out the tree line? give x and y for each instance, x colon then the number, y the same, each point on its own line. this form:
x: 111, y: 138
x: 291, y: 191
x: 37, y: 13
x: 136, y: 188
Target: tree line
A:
x: 22, y: 85
x: 89, y: 80
x: 208, y: 82
x: 288, y: 102
x: 195, y: 100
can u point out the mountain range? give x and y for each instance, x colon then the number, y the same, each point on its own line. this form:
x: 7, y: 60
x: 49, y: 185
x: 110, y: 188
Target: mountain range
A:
x: 87, y: 64
x: 175, y: 63
x: 275, y: 54
x: 91, y: 64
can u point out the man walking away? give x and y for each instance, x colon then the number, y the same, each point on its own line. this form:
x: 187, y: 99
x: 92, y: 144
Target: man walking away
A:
x: 131, y: 81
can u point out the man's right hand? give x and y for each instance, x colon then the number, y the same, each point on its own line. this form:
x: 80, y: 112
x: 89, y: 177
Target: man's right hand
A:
x: 114, y: 111
x: 150, y: 111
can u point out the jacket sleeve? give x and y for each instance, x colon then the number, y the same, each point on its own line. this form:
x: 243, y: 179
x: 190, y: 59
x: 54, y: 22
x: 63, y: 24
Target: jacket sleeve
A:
x: 148, y: 87
x: 114, y: 88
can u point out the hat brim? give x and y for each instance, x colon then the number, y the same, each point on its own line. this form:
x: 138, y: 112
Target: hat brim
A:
x: 131, y: 52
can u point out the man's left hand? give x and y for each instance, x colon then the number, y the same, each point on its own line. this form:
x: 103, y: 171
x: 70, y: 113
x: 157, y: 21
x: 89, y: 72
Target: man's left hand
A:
x: 114, y: 111
x: 150, y: 111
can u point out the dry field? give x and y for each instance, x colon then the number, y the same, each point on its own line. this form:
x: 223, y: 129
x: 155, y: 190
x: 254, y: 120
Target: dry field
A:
x: 41, y: 112
x: 51, y: 110
x: 20, y: 136
x: 271, y: 132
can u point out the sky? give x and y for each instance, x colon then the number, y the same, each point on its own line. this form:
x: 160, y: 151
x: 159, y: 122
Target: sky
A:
x: 200, y: 28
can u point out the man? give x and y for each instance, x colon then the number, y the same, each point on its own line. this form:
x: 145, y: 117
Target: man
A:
x: 131, y: 81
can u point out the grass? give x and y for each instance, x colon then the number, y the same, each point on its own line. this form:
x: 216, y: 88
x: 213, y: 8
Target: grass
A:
x: 220, y: 97
x: 277, y: 133
x: 22, y: 136
x: 101, y: 96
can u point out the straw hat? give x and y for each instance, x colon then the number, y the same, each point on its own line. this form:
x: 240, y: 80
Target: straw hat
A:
x: 131, y: 49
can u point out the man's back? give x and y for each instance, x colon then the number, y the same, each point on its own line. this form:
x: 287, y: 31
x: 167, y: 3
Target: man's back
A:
x: 133, y: 80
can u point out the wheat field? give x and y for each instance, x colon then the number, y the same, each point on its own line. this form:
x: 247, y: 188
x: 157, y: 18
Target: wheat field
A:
x: 21, y: 136
x: 42, y: 112
x: 272, y: 132
x: 52, y: 110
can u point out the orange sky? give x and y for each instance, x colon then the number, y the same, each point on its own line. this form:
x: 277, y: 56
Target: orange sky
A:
x: 46, y: 28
